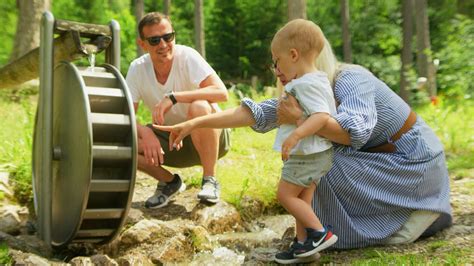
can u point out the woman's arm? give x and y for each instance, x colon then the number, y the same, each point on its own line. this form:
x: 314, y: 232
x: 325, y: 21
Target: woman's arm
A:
x: 230, y: 118
x: 289, y: 112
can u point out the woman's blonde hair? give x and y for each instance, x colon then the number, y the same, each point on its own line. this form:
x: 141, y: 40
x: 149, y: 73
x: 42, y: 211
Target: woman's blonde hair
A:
x: 327, y: 62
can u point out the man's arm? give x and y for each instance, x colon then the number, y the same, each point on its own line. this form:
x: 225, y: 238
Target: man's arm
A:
x: 212, y: 89
x: 148, y: 144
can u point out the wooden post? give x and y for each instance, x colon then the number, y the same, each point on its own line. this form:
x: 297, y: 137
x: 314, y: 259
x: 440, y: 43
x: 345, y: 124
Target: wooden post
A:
x: 346, y: 35
x: 296, y: 9
x: 407, y: 57
x: 139, y: 7
x: 199, y: 27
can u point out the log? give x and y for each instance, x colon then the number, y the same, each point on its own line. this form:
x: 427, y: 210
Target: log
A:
x: 86, y: 29
x: 67, y: 47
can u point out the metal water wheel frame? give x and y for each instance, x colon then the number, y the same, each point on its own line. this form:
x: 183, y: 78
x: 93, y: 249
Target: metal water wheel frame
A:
x: 84, y: 147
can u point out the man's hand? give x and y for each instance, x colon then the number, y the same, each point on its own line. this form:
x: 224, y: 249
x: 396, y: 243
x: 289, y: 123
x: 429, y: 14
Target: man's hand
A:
x: 151, y: 147
x: 289, y: 111
x: 160, y: 110
x: 287, y: 146
x: 177, y: 133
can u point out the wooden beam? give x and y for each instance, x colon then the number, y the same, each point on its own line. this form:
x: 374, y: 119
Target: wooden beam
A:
x: 67, y: 47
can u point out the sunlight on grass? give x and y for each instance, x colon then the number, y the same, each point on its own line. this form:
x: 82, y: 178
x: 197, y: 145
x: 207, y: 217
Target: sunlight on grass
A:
x: 5, y: 259
x: 453, y: 123
x: 251, y: 168
x: 437, y: 253
x: 16, y: 140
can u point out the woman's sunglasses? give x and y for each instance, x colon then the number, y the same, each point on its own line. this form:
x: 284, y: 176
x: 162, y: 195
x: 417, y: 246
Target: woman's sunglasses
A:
x: 155, y: 40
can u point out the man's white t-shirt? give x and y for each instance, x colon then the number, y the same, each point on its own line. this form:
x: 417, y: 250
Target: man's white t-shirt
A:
x: 314, y: 94
x: 188, y: 70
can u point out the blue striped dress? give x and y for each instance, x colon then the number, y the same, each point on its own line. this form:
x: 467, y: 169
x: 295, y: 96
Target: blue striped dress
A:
x: 366, y: 197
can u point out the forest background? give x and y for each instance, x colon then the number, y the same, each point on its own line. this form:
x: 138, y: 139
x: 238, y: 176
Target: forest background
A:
x: 237, y: 35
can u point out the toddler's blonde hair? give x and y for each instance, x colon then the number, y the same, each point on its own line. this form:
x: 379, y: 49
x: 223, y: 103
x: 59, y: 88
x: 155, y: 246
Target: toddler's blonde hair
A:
x: 300, y: 34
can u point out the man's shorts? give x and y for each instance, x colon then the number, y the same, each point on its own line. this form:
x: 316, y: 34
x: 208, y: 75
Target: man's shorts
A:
x: 302, y: 170
x: 187, y: 156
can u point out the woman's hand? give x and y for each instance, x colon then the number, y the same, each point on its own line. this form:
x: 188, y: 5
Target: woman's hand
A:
x: 289, y: 111
x: 177, y: 133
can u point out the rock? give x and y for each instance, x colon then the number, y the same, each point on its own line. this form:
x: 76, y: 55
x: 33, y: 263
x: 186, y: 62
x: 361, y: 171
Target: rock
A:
x: 278, y: 223
x: 24, y: 258
x: 134, y: 259
x: 219, y: 218
x: 247, y: 241
x: 251, y: 208
x: 175, y: 249
x: 134, y: 216
x: 12, y: 217
x: 263, y: 254
x: 81, y: 261
x: 103, y: 260
x: 145, y: 231
x: 200, y: 238
x: 29, y: 244
x: 220, y: 256
x: 37, y: 245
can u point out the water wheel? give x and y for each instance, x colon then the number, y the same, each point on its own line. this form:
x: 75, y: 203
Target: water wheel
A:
x: 94, y: 155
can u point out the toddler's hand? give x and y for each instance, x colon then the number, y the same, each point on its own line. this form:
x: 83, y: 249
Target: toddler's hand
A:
x: 287, y: 146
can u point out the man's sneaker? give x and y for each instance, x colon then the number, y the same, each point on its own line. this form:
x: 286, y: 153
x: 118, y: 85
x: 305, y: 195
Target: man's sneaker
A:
x: 315, y: 242
x: 210, y: 190
x: 164, y: 192
x: 288, y: 256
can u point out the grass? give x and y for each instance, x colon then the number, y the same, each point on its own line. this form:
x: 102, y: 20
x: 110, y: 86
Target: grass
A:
x: 252, y: 168
x: 454, y: 125
x: 5, y: 259
x: 17, y: 116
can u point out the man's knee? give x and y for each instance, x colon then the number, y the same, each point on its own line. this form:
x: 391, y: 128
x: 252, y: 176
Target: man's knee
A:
x: 199, y: 108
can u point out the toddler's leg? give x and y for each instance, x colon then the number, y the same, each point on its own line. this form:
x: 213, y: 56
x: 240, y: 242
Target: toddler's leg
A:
x: 306, y: 195
x: 297, y: 201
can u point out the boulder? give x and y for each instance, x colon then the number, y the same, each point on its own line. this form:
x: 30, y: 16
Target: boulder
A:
x: 218, y: 218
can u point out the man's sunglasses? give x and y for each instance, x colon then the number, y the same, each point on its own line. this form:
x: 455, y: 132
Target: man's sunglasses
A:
x: 155, y: 40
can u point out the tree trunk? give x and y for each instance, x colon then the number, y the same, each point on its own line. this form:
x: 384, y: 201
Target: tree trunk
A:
x: 166, y: 7
x: 139, y: 7
x: 346, y: 35
x: 199, y: 27
x: 407, y: 58
x: 28, y: 26
x: 424, y: 59
x: 296, y: 9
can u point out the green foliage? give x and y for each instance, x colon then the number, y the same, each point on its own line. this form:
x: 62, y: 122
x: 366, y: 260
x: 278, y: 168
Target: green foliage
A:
x: 238, y: 35
x: 453, y: 123
x: 238, y: 45
x: 456, y: 70
x: 16, y: 140
x: 5, y: 259
x: 8, y: 19
x: 439, y: 252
